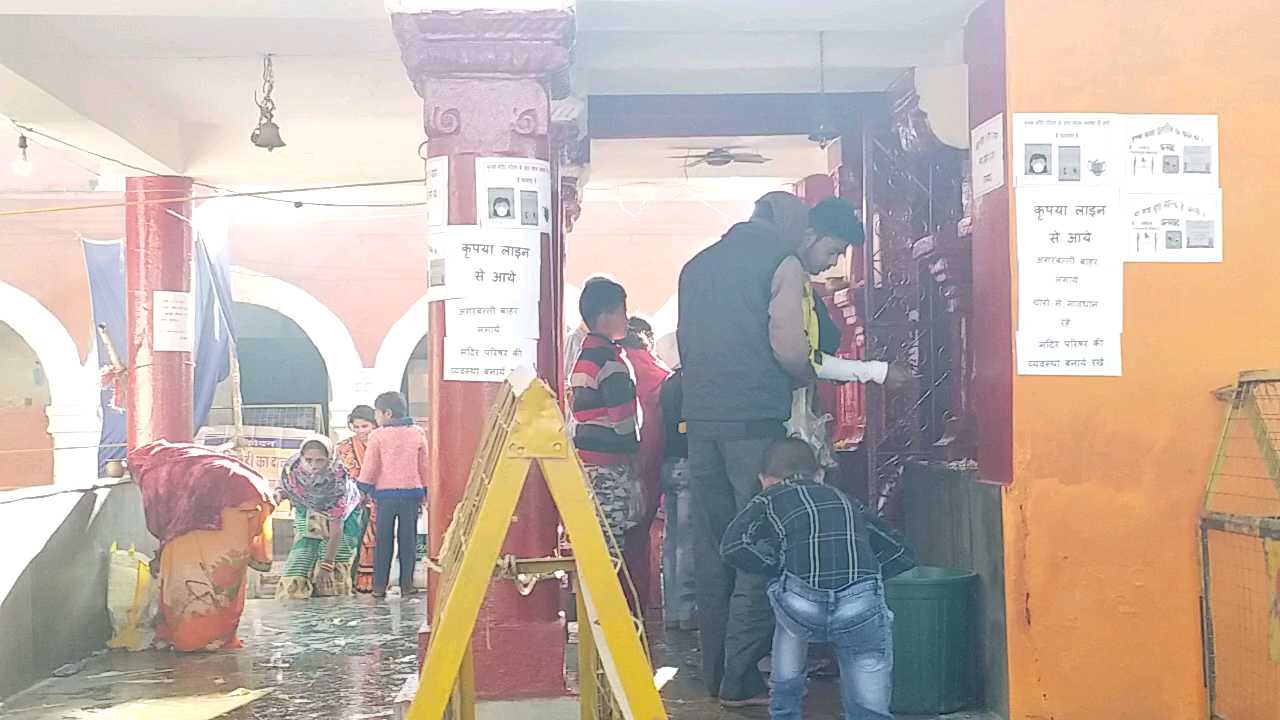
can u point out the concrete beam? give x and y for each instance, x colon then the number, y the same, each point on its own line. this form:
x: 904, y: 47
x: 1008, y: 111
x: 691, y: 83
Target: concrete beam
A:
x: 47, y: 89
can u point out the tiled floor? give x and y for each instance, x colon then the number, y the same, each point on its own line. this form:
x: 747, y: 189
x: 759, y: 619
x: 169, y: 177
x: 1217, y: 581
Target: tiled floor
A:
x: 330, y: 660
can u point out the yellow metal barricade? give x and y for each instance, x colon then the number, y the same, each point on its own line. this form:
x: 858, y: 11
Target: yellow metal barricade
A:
x: 526, y: 427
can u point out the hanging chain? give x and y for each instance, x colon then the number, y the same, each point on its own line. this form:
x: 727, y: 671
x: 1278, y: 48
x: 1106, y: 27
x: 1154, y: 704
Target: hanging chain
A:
x: 266, y: 105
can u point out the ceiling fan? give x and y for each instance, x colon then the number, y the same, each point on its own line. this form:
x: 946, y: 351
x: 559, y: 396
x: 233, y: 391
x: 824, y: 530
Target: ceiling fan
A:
x: 717, y: 156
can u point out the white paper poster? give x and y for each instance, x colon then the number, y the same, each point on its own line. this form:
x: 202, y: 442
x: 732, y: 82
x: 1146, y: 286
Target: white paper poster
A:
x: 1070, y: 267
x: 513, y: 193
x: 497, y: 316
x: 438, y: 190
x: 1183, y: 227
x: 1171, y: 153
x: 1066, y: 149
x: 986, y: 151
x: 491, y: 263
x: 172, y: 324
x: 1068, y: 353
x: 478, y: 360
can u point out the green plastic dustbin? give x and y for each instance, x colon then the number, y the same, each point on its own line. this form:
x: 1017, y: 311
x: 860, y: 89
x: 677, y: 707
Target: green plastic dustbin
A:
x: 933, y: 648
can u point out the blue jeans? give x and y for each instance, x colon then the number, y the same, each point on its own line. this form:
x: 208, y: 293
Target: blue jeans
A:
x: 678, y: 576
x: 855, y: 621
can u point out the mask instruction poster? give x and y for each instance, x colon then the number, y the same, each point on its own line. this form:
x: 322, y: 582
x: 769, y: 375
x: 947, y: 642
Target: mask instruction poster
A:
x: 513, y: 193
x: 1066, y: 149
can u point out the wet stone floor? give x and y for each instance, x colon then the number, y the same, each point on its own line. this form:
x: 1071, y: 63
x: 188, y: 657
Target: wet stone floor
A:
x: 326, y: 659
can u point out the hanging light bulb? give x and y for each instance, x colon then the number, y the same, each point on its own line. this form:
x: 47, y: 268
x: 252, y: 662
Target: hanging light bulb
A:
x: 22, y: 164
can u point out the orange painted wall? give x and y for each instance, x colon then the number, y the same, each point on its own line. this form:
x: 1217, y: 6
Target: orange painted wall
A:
x: 1100, y: 522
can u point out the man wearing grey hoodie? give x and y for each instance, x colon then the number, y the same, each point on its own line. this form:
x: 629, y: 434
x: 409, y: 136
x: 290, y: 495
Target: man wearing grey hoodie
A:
x: 745, y: 345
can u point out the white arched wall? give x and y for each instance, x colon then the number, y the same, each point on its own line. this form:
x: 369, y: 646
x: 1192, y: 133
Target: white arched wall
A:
x: 398, y: 346
x: 325, y: 330
x: 74, y: 420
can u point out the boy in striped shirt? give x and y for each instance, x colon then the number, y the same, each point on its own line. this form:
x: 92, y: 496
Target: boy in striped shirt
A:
x: 605, y: 415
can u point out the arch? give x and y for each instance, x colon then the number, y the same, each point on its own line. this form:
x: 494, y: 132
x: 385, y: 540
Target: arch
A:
x: 49, y: 340
x: 74, y: 422
x: 398, y: 344
x: 325, y: 330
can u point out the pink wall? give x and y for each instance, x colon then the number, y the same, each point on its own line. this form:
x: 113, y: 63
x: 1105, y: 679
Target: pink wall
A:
x: 643, y: 246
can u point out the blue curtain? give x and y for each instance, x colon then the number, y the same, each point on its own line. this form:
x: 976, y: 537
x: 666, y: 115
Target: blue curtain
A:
x: 105, y: 263
x: 211, y: 295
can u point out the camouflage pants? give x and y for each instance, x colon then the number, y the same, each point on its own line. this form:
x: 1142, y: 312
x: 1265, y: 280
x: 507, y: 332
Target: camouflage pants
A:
x: 615, y: 490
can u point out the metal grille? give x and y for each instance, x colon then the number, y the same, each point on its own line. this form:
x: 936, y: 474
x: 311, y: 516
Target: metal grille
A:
x: 1240, y: 551
x: 916, y: 274
x: 299, y: 417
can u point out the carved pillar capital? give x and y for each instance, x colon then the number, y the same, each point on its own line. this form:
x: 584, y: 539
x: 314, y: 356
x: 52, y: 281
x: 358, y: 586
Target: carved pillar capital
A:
x: 484, y: 77
x: 478, y: 43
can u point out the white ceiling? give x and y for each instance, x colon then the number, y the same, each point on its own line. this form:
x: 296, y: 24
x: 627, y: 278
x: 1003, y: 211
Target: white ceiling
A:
x: 790, y: 156
x: 169, y: 84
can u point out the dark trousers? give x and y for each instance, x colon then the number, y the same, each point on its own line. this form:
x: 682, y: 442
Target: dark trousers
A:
x: 735, y: 619
x: 392, y: 511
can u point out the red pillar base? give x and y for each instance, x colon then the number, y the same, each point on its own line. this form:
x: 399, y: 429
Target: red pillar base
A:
x: 484, y: 79
x: 513, y: 662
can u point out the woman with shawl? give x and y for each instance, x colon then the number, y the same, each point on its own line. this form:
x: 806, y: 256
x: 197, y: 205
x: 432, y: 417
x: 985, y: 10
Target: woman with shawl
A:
x: 361, y: 422
x: 212, y: 516
x: 326, y: 526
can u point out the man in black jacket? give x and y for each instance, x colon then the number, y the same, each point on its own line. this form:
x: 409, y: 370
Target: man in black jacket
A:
x: 744, y: 344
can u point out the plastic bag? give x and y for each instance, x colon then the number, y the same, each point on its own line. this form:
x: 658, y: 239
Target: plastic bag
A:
x: 131, y: 600
x: 810, y: 427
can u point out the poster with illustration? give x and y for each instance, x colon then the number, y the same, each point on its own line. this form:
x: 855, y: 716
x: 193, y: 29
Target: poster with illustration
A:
x: 1171, y: 153
x: 513, y: 193
x: 1065, y: 149
x: 1174, y: 227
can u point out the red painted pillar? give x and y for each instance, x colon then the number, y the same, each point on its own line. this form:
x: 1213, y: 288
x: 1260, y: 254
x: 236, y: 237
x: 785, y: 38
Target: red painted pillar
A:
x: 483, y: 79
x: 158, y: 284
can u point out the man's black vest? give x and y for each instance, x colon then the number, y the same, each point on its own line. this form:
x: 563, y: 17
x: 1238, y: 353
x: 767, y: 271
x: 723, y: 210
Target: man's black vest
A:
x: 730, y: 373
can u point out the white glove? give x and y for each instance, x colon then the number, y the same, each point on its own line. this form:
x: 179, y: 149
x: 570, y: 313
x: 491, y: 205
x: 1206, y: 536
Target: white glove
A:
x: 842, y: 370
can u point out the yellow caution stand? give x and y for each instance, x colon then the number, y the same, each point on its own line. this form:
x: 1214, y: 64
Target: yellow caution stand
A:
x: 525, y: 426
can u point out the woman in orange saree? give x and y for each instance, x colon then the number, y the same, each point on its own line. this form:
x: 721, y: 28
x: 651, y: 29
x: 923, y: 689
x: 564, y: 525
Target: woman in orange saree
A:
x: 361, y: 422
x: 212, y: 515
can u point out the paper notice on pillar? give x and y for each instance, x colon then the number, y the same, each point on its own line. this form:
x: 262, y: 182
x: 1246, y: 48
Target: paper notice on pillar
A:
x: 1070, y: 267
x: 435, y: 272
x: 493, y: 317
x: 1066, y: 149
x: 1176, y: 228
x: 494, y: 263
x: 172, y: 324
x: 1171, y: 153
x: 1068, y: 353
x: 513, y: 193
x: 986, y: 152
x: 438, y: 190
x: 471, y: 359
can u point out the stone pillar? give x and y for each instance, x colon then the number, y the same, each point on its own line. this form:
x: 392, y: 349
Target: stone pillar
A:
x: 158, y: 260
x: 484, y: 79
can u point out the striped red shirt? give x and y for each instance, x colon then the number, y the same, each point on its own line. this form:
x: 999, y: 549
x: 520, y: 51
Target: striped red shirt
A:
x: 607, y: 422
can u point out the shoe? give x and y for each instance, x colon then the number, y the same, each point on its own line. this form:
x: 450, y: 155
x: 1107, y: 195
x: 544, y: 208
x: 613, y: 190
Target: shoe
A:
x: 380, y: 594
x: 761, y: 701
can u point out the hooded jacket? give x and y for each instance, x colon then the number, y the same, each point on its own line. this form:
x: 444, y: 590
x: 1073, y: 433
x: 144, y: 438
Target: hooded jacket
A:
x: 743, y: 316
